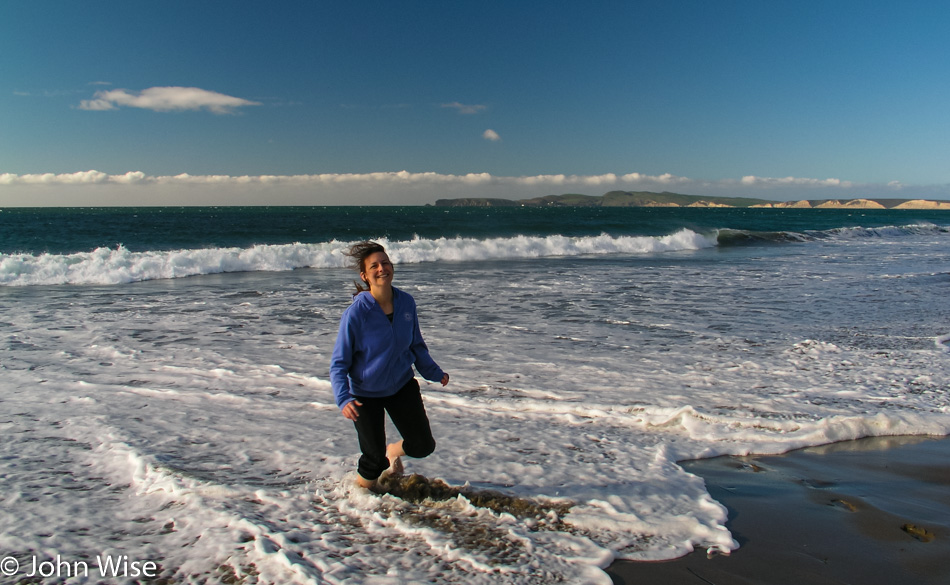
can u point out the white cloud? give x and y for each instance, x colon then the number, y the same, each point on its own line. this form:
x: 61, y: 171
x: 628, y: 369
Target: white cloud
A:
x: 166, y: 99
x: 383, y: 178
x: 465, y: 108
x: 598, y: 180
x: 406, y: 177
x: 85, y: 177
x: 491, y: 135
x: 752, y: 180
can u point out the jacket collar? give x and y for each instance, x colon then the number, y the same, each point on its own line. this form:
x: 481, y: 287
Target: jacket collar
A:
x: 366, y: 298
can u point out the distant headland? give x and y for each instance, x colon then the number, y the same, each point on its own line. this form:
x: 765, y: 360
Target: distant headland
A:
x: 666, y: 199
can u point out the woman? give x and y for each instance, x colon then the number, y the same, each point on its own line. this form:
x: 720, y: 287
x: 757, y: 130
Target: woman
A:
x: 371, y: 368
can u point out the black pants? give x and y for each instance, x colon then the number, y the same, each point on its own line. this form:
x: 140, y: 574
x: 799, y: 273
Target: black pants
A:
x: 407, y: 413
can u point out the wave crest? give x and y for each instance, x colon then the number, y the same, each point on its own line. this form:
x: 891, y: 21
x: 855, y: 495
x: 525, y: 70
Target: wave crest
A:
x: 886, y: 231
x: 120, y: 265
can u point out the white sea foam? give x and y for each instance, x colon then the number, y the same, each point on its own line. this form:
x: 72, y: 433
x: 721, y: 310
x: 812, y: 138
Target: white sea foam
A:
x: 924, y: 228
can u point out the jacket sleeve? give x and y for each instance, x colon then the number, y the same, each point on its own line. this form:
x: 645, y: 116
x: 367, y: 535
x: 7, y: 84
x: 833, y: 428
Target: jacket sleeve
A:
x: 341, y: 360
x: 424, y: 362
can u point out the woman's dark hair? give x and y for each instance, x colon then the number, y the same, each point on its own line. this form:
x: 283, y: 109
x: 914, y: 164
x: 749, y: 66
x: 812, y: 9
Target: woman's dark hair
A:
x: 358, y: 253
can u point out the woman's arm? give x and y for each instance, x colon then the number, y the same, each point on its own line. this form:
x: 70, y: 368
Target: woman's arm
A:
x: 340, y: 362
x: 424, y: 362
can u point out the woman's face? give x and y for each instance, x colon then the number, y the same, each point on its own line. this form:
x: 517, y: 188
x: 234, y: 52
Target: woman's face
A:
x: 377, y: 270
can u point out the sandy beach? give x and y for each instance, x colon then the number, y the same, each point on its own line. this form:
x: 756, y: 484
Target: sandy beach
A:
x: 871, y: 511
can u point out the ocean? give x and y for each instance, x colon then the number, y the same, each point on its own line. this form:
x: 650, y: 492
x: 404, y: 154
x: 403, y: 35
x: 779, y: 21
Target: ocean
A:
x: 166, y: 410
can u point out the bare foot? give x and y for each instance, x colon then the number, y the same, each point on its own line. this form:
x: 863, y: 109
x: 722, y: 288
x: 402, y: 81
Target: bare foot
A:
x: 393, y: 453
x: 365, y: 483
x: 395, y: 468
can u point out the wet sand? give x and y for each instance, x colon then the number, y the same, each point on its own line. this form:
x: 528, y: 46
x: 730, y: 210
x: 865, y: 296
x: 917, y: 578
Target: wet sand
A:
x: 868, y: 512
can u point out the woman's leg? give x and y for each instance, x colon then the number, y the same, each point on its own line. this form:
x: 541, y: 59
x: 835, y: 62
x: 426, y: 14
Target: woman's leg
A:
x: 409, y: 416
x: 371, y: 430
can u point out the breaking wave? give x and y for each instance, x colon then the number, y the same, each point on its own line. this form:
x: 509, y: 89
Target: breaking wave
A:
x: 119, y: 265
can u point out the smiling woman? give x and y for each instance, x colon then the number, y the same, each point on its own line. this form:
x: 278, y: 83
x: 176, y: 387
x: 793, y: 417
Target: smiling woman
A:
x: 371, y: 369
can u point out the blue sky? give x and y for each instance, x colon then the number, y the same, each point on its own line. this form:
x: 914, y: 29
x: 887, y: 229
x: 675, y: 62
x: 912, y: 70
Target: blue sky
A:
x: 113, y: 102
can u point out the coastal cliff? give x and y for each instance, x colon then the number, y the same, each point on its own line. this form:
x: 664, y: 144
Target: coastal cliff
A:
x: 666, y: 199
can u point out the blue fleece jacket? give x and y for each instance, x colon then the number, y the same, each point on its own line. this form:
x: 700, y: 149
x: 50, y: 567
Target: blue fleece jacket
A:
x: 373, y: 357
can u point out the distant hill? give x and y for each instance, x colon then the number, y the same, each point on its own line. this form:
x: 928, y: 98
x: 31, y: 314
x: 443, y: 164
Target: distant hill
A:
x: 641, y: 199
x: 666, y: 199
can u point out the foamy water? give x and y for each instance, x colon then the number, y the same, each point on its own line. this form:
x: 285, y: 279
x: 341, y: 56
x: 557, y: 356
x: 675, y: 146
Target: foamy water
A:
x: 190, y: 421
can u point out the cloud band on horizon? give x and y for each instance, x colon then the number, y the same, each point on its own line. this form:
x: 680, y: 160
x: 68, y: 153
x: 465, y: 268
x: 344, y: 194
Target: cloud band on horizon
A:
x: 606, y: 180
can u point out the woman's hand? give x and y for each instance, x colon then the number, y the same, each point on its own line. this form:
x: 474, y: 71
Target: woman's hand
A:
x: 445, y: 379
x: 350, y: 411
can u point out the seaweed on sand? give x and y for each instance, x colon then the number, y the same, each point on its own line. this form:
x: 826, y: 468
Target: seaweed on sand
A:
x: 417, y: 488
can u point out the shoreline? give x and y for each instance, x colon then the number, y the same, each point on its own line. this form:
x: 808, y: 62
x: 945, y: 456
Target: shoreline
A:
x: 873, y: 510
